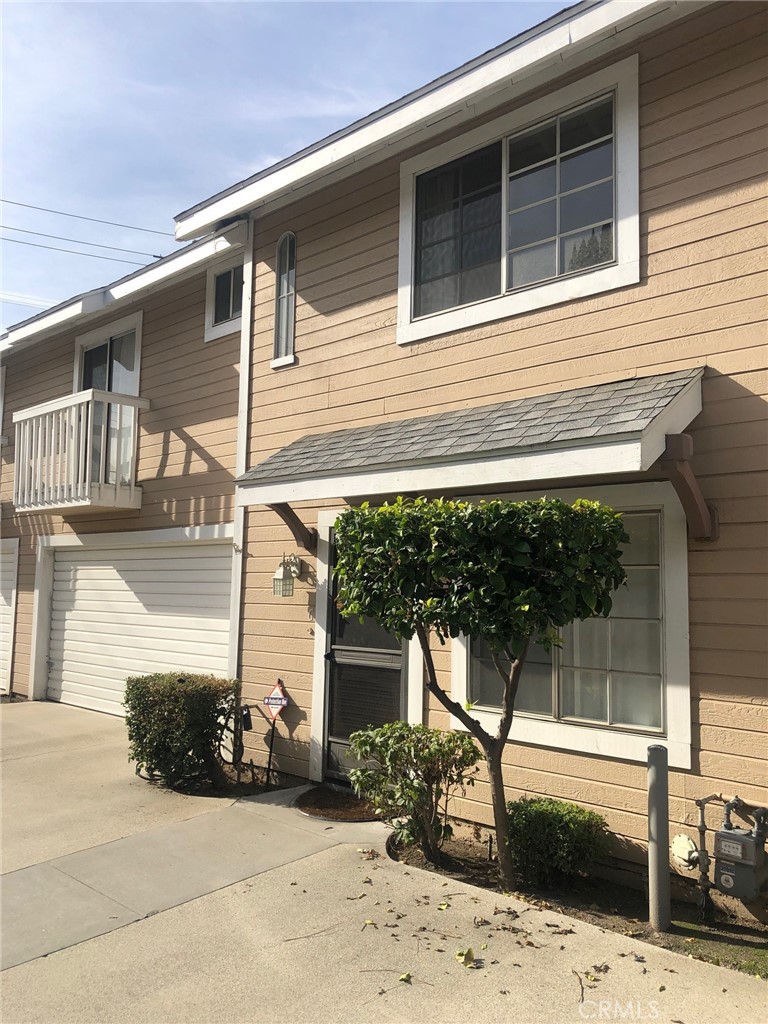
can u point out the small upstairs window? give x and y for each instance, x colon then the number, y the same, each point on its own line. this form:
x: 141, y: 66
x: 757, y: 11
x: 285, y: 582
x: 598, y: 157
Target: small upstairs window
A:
x: 285, y: 301
x: 224, y: 299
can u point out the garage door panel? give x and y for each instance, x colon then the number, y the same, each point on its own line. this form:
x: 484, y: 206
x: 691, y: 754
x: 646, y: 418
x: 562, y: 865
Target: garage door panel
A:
x: 147, y: 552
x: 120, y: 612
x: 130, y: 616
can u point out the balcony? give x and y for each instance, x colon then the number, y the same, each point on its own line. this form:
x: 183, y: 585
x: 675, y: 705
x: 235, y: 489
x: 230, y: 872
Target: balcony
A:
x: 78, y: 451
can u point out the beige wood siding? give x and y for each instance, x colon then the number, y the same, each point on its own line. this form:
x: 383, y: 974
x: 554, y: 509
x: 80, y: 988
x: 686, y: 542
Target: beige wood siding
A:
x: 701, y: 301
x: 187, y: 440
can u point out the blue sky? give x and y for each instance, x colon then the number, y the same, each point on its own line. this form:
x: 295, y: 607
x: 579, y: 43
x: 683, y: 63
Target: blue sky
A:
x: 132, y: 112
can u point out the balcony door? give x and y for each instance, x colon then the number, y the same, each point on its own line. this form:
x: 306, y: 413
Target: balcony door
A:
x: 111, y: 365
x: 365, y: 679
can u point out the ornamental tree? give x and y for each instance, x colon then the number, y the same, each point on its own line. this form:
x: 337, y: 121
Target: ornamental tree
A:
x: 511, y: 573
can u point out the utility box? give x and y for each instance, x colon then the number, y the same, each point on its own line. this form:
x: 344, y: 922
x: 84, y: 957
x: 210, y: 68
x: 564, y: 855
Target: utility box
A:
x: 740, y: 867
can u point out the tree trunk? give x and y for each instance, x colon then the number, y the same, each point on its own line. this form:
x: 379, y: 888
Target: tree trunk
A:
x: 500, y: 819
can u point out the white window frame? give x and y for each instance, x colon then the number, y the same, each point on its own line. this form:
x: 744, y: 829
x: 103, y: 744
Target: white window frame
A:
x: 611, y: 741
x: 622, y: 80
x: 289, y: 358
x: 214, y: 331
x: 99, y: 336
x: 3, y: 437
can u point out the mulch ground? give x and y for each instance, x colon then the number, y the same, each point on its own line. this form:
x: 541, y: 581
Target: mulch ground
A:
x: 335, y: 803
x: 609, y: 906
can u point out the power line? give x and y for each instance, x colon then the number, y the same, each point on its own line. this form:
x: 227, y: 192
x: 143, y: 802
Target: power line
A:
x: 73, y: 252
x: 79, y: 241
x: 32, y: 301
x: 95, y: 220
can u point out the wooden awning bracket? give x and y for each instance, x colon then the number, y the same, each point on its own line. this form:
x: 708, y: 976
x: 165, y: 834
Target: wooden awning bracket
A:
x: 304, y: 536
x: 676, y: 464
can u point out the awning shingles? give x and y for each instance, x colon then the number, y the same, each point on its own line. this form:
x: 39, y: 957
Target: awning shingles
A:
x: 610, y: 410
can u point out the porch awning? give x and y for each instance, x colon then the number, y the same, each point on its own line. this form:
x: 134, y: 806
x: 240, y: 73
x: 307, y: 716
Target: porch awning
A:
x: 619, y: 427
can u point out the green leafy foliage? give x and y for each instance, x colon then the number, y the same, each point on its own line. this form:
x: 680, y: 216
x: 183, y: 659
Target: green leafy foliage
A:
x: 175, y: 723
x: 552, y: 839
x: 510, y: 573
x: 502, y: 570
x: 409, y: 773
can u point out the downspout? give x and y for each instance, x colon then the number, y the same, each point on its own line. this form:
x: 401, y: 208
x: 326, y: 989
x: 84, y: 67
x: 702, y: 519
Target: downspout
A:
x: 241, y: 452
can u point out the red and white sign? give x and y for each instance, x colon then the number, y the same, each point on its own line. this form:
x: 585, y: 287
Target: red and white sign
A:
x: 276, y: 700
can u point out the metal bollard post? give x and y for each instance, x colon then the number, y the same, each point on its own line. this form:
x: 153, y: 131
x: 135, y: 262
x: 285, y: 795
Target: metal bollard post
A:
x: 660, y: 910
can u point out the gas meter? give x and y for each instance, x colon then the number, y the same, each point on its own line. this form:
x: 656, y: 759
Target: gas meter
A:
x: 740, y: 867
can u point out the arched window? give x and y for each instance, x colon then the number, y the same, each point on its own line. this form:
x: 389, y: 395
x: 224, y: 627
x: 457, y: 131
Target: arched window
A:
x: 285, y: 300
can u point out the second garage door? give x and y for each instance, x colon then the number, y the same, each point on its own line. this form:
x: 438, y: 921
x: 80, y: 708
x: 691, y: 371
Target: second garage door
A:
x: 119, y: 612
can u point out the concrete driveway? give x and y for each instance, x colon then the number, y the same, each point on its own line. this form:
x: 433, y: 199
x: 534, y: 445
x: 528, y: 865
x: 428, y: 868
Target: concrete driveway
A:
x: 254, y: 914
x: 66, y: 784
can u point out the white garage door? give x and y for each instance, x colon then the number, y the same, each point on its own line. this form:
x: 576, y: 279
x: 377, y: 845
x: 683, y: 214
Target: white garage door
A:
x: 9, y: 560
x: 120, y: 612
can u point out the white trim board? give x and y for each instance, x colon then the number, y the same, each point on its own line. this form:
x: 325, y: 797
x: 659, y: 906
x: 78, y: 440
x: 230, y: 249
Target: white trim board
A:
x: 44, y: 562
x: 9, y: 548
x: 555, y: 49
x: 621, y: 744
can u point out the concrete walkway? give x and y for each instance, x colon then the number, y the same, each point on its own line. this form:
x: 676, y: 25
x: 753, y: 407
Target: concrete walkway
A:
x: 254, y: 914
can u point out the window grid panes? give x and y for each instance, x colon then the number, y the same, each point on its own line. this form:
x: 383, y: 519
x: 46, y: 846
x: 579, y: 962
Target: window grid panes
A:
x: 554, y: 216
x: 560, y: 196
x: 285, y: 296
x: 609, y: 670
x: 228, y: 295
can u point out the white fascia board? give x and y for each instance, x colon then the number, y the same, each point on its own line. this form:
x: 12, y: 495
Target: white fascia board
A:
x: 619, y: 455
x: 214, y: 247
x: 49, y: 322
x: 677, y: 416
x: 550, y: 48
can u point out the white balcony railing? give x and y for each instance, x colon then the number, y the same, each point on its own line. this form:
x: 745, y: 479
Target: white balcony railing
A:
x: 79, y: 450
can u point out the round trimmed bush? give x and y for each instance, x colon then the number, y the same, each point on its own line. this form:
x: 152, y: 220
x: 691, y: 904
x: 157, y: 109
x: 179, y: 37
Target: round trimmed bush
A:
x: 551, y: 839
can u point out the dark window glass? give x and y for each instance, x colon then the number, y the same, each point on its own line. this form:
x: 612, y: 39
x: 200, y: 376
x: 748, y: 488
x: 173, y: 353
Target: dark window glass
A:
x: 532, y: 186
x: 585, y: 126
x: 532, y: 147
x: 533, y: 224
x: 589, y: 206
x: 587, y: 165
x: 586, y: 249
x: 285, y: 297
x: 458, y: 232
x: 222, y: 303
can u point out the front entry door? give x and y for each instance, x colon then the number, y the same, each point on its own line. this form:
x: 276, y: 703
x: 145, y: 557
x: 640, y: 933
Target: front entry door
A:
x: 365, y: 679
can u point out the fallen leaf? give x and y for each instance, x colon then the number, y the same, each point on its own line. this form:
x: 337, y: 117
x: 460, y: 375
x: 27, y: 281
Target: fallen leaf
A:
x: 405, y: 977
x: 662, y: 988
x: 443, y: 906
x: 601, y: 968
x: 484, y: 946
x: 480, y: 922
x: 466, y: 957
x: 360, y: 897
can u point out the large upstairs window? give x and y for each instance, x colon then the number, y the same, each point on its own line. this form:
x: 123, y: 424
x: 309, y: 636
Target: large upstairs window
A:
x: 535, y: 208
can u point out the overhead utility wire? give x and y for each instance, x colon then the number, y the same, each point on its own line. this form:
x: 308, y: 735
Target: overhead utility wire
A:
x: 80, y: 241
x: 95, y: 220
x: 73, y: 252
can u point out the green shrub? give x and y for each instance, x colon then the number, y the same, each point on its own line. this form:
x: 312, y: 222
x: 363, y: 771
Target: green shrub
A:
x: 175, y: 722
x: 409, y: 773
x: 552, y: 839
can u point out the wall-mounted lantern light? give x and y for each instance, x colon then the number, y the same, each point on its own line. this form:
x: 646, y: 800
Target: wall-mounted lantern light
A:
x: 288, y: 571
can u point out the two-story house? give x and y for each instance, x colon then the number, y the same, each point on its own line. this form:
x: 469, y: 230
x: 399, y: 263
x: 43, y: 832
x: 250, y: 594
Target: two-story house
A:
x: 118, y: 465
x: 543, y: 273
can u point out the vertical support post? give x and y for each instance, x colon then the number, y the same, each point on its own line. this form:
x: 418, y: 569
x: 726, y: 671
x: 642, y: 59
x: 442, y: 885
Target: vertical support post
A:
x: 659, y: 904
x: 271, y: 748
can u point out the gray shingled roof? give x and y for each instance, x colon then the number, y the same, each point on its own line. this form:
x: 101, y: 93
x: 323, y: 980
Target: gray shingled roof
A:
x: 604, y: 410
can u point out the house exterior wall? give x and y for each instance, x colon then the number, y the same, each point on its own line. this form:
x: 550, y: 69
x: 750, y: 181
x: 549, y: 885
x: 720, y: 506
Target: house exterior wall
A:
x: 701, y: 301
x: 186, y: 445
